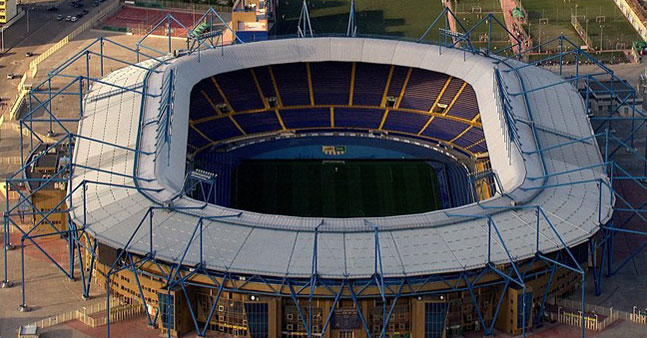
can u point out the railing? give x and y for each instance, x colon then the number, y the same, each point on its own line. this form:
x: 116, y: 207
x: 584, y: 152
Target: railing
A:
x: 123, y: 312
x: 74, y: 314
x: 575, y: 22
x: 594, y: 311
x: 120, y: 314
x: 575, y: 319
x: 638, y: 316
x: 506, y: 118
x: 20, y: 98
x: 165, y: 115
x: 181, y: 5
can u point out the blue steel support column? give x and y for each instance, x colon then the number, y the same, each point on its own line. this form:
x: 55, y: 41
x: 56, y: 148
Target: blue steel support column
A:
x: 202, y: 332
x: 87, y: 68
x: 561, y: 53
x: 359, y: 309
x: 476, y: 305
x: 5, y: 282
x: 101, y: 54
x: 543, y: 300
x: 489, y: 35
x: 141, y: 292
x: 388, y: 318
x: 583, y: 302
x: 332, y: 308
x: 168, y: 27
x: 71, y: 234
x: 23, y: 306
x: 299, y: 310
x: 314, y: 271
x: 108, y: 282
x: 490, y: 330
x: 51, y: 115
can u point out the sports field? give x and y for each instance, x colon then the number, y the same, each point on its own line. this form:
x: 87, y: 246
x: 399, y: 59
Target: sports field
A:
x: 470, y: 12
x: 407, y: 19
x: 607, y: 26
x: 318, y: 188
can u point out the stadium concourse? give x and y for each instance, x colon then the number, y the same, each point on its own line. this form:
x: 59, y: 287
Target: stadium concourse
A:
x: 207, y: 267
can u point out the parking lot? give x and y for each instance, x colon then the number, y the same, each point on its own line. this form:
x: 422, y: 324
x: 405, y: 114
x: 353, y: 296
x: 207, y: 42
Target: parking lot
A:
x: 34, y: 33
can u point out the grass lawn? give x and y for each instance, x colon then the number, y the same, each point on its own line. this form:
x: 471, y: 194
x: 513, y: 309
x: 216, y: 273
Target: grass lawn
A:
x: 616, y: 30
x: 467, y: 6
x: 336, y: 189
x: 407, y: 19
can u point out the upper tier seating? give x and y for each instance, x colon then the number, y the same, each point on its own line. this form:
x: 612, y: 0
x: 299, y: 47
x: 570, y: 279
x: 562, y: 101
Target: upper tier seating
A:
x: 331, y: 84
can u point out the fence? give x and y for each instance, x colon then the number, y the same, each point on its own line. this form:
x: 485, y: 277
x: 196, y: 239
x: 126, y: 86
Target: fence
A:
x: 611, y: 314
x: 575, y: 319
x: 20, y: 98
x: 182, y: 5
x: 638, y: 316
x: 575, y: 22
x: 122, y: 312
x: 116, y: 315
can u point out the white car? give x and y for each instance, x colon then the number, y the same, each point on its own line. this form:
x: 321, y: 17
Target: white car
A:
x: 68, y: 18
x: 74, y: 19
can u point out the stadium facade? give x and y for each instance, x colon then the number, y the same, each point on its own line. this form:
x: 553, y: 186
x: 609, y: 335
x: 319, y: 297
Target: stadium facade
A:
x: 538, y: 182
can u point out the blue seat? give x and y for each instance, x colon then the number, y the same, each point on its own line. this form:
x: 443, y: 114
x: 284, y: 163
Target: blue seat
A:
x: 405, y: 122
x: 422, y: 89
x: 444, y: 129
x: 292, y: 81
x: 306, y: 118
x: 358, y: 118
x: 240, y: 90
x: 370, y: 81
x: 466, y: 106
x: 331, y: 82
x: 258, y: 122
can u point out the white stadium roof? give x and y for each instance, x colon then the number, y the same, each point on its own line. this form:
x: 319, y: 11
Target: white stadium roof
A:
x: 282, y: 246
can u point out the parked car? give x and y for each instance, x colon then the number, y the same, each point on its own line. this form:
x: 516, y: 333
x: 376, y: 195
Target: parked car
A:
x: 29, y: 54
x: 95, y: 4
x: 10, y: 76
x: 85, y: 11
x: 80, y: 15
x: 74, y: 19
x: 68, y: 18
x: 59, y: 17
x: 52, y: 8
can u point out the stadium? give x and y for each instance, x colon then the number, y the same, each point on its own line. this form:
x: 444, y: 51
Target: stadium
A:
x: 330, y: 186
x: 227, y: 151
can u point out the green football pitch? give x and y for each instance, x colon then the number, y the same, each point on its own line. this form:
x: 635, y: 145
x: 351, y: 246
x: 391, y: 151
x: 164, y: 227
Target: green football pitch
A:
x: 318, y: 188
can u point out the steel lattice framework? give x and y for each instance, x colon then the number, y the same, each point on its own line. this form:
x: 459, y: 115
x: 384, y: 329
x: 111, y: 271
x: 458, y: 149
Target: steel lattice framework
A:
x: 389, y: 289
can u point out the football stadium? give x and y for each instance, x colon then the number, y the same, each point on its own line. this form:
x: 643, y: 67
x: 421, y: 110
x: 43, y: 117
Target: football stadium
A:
x: 329, y: 186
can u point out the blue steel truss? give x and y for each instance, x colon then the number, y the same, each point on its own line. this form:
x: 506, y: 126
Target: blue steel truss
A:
x: 302, y: 291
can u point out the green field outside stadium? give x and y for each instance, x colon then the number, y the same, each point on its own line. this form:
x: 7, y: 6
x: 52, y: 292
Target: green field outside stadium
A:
x: 316, y: 188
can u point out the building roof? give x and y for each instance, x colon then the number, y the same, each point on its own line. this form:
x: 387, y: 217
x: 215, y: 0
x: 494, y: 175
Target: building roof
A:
x: 561, y: 179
